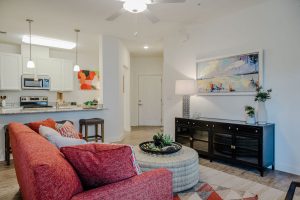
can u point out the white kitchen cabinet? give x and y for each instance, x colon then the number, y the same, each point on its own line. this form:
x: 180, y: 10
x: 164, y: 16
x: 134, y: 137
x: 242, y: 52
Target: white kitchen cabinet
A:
x: 60, y: 72
x: 10, y: 71
x: 43, y: 66
x: 68, y: 75
x: 55, y: 73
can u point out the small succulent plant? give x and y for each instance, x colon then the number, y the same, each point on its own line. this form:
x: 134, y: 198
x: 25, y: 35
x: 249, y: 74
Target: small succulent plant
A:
x: 161, y: 140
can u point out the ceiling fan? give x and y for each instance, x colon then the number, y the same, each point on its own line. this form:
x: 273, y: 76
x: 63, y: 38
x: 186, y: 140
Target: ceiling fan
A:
x: 140, y: 6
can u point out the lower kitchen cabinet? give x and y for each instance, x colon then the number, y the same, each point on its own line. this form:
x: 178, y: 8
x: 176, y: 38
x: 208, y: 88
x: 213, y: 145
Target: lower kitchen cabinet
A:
x: 10, y: 71
x: 232, y: 141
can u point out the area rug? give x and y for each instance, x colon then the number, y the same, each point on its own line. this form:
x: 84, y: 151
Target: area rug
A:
x: 235, y: 183
x: 205, y: 191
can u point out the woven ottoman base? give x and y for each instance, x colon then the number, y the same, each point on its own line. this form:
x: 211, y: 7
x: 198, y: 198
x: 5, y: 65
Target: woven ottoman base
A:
x: 183, y: 164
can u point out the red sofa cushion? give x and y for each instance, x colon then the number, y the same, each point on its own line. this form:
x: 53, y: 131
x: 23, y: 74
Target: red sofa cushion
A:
x: 36, y: 125
x: 101, y: 164
x: 151, y: 185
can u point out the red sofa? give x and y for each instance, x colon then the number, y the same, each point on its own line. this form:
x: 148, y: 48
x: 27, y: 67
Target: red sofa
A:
x: 44, y: 174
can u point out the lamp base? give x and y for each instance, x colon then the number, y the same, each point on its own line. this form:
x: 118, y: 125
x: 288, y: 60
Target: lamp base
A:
x: 186, y: 106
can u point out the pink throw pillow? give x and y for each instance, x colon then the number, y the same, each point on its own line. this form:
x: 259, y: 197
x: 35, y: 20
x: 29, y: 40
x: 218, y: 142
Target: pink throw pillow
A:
x: 68, y: 130
x: 101, y: 164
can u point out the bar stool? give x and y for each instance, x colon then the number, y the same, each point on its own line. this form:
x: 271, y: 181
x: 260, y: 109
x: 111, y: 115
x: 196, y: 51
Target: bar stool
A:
x: 94, y: 121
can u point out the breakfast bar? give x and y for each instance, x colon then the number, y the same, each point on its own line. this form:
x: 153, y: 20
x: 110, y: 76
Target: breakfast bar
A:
x: 73, y: 114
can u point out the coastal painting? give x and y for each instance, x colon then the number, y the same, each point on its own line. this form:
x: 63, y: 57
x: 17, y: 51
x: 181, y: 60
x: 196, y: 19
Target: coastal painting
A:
x: 238, y: 74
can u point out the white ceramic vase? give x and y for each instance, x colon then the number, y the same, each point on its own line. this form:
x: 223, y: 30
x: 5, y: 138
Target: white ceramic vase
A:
x: 250, y: 120
x: 262, y: 115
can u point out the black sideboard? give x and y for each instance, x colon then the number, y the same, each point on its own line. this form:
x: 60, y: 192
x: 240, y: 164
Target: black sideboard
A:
x: 228, y: 140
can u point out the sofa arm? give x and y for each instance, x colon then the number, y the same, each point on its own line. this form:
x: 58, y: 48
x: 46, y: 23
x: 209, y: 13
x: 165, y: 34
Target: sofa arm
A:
x: 151, y: 185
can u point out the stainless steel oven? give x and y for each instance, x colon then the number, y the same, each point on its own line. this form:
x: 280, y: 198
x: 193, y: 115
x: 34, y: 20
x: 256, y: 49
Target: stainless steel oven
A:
x: 42, y: 83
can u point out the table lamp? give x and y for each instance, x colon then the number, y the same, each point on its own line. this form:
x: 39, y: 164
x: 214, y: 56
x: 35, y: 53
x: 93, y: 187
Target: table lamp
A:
x: 185, y: 88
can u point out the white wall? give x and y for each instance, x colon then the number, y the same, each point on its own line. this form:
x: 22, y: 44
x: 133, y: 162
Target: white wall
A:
x: 272, y: 26
x: 142, y: 65
x: 86, y: 61
x: 114, y: 57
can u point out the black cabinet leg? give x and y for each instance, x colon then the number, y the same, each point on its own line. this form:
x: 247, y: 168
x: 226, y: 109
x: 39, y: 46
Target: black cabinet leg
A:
x: 262, y: 173
x: 273, y: 167
x: 210, y: 160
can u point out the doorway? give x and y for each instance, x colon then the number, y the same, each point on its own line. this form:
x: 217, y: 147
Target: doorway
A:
x: 150, y: 100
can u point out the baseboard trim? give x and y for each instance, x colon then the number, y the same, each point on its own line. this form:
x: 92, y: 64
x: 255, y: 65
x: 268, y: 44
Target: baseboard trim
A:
x: 117, y: 139
x: 287, y: 168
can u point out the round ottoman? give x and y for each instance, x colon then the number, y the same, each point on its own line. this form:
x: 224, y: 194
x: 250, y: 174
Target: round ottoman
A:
x: 184, y: 165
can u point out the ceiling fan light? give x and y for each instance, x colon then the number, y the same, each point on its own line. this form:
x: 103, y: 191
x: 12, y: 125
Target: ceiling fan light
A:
x: 76, y: 68
x: 30, y: 64
x: 135, y: 6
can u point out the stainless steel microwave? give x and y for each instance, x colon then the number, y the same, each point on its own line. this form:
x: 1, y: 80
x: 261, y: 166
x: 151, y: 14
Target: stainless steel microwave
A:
x: 42, y: 82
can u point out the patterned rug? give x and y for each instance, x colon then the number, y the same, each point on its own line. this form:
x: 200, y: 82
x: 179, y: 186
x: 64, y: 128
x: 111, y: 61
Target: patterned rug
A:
x: 205, y: 191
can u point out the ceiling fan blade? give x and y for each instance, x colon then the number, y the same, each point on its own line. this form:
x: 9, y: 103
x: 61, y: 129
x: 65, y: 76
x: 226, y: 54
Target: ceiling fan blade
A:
x: 168, y: 1
x: 151, y: 17
x: 115, y: 15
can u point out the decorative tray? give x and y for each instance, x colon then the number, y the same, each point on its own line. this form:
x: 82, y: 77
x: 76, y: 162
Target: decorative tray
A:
x: 149, y: 147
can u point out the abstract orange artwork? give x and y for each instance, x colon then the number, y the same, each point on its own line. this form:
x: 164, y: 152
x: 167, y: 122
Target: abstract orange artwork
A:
x: 89, y: 80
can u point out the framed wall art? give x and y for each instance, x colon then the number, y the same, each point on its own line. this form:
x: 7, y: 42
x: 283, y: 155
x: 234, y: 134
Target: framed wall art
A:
x: 89, y: 80
x: 230, y: 75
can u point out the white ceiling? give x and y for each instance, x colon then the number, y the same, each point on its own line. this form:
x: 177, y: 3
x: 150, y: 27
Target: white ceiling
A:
x: 58, y: 18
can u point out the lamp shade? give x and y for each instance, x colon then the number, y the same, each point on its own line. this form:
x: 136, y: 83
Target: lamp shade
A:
x: 185, y: 87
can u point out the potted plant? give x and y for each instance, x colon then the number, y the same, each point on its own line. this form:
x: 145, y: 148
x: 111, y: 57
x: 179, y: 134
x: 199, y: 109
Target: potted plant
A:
x: 261, y: 97
x: 250, y: 112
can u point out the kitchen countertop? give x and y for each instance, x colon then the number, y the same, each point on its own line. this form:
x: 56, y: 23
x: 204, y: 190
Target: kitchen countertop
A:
x: 15, y: 111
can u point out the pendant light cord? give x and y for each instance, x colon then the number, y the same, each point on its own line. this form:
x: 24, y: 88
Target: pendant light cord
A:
x: 29, y: 22
x: 30, y: 39
x: 77, y: 31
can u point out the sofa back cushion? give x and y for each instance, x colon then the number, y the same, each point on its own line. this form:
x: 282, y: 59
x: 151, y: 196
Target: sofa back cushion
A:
x: 42, y: 171
x: 101, y: 164
x: 36, y: 125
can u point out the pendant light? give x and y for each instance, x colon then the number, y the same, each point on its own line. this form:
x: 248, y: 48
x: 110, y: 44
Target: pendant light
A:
x: 76, y: 66
x: 30, y: 63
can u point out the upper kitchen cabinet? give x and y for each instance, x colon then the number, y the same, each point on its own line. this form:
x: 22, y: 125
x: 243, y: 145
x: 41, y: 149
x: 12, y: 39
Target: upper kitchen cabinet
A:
x: 59, y: 70
x: 67, y: 75
x: 54, y: 70
x: 10, y: 71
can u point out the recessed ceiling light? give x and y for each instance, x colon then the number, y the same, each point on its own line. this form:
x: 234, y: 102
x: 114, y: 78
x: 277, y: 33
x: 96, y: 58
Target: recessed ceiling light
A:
x: 146, y: 47
x: 49, y: 42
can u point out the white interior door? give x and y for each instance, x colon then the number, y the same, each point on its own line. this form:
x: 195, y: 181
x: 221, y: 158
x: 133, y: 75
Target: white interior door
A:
x: 150, y: 100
